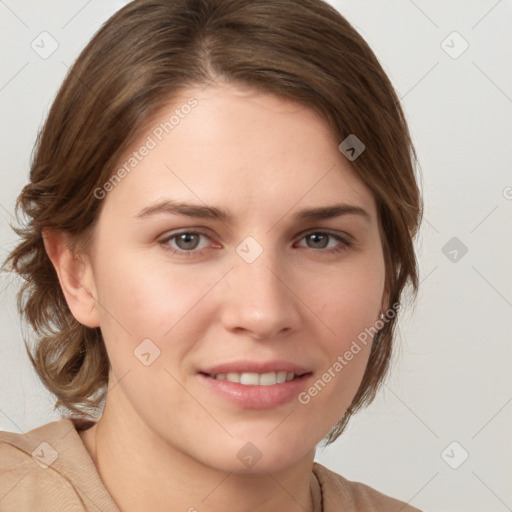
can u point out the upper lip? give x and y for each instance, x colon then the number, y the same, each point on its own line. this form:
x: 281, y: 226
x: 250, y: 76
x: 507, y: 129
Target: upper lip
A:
x: 255, y: 367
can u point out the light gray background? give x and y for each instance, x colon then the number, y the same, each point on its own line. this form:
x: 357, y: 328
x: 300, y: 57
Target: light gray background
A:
x: 451, y: 377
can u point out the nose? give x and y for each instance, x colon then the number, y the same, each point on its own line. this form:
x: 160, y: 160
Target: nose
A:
x: 258, y: 298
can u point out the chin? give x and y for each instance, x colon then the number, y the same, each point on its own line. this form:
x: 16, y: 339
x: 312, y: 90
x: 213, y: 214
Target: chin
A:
x: 260, y: 454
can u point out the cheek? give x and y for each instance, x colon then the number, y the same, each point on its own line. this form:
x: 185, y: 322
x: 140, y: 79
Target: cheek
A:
x: 139, y: 298
x: 158, y: 301
x: 347, y: 301
x: 348, y: 304
x: 332, y: 391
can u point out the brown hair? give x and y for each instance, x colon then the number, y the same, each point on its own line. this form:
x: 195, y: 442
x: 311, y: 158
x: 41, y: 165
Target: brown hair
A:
x: 142, y: 57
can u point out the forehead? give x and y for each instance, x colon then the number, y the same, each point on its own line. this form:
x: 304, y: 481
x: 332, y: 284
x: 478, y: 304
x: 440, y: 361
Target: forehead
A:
x: 239, y: 148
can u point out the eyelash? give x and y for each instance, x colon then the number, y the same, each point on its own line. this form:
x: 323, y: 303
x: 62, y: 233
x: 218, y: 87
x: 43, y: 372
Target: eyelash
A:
x: 345, y: 244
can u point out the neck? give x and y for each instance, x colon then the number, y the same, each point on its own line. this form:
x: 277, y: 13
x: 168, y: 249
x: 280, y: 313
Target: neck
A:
x: 143, y: 472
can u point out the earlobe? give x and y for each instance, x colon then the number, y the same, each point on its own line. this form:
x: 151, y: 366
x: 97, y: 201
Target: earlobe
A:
x: 75, y: 276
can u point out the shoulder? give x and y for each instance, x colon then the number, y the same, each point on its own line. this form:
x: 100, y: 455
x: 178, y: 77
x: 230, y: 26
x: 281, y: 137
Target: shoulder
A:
x: 45, y: 467
x: 28, y: 481
x: 40, y: 447
x: 354, y: 496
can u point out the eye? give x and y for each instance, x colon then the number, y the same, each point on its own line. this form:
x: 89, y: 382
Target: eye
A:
x: 187, y: 242
x: 320, y: 240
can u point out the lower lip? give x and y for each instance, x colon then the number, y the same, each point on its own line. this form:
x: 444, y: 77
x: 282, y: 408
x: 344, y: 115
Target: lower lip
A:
x: 256, y: 397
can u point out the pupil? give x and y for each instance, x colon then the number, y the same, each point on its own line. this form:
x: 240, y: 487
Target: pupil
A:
x: 186, y: 238
x: 317, y: 236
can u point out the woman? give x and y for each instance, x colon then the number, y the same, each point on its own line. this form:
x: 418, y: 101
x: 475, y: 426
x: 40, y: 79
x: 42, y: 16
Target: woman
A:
x: 221, y: 213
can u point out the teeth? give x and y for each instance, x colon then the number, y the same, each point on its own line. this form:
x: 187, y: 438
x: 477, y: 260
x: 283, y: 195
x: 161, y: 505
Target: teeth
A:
x: 256, y: 379
x: 267, y: 379
x: 250, y: 379
x: 281, y: 377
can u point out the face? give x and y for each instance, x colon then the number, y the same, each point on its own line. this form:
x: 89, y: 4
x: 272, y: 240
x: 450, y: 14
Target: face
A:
x: 242, y: 285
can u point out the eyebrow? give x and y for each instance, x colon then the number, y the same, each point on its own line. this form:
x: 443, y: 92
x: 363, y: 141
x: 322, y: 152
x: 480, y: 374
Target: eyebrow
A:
x: 212, y: 212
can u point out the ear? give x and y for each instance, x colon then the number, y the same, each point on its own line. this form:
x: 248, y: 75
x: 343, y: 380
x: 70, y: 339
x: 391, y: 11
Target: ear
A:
x: 75, y: 276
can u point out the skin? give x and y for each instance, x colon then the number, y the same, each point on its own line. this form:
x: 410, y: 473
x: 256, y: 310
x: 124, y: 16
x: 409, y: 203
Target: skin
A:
x: 164, y: 437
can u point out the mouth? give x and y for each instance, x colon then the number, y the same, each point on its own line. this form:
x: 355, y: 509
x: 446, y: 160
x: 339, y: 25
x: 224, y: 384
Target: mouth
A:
x: 253, y: 385
x: 256, y: 379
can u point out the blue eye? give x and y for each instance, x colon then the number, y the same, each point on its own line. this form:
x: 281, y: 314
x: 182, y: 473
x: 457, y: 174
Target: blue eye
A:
x: 187, y: 242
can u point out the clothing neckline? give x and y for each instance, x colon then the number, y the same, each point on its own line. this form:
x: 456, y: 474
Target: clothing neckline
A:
x: 81, y: 424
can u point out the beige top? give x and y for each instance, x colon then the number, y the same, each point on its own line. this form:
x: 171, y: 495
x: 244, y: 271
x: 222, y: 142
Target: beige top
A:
x: 49, y: 469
